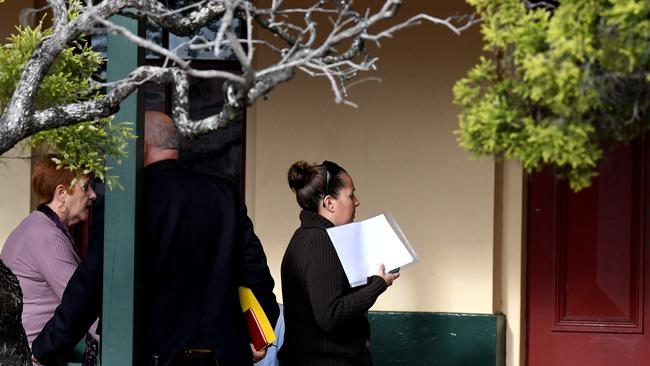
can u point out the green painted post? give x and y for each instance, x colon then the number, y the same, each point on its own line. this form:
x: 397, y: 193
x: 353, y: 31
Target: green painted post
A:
x: 121, y: 217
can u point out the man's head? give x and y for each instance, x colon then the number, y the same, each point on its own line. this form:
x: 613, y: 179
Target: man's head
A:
x: 160, y: 138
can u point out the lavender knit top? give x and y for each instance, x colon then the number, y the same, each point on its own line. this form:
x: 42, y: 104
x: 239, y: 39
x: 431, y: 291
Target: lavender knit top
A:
x: 43, y: 259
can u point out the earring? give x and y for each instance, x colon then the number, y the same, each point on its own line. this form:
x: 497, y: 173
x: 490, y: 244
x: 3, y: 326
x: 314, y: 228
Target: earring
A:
x: 62, y: 207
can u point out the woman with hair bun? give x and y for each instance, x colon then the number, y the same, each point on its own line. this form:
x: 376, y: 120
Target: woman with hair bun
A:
x: 326, y: 321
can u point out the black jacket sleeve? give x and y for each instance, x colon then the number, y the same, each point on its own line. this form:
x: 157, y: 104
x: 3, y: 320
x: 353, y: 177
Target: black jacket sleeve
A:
x: 81, y: 302
x: 333, y: 302
x: 255, y: 271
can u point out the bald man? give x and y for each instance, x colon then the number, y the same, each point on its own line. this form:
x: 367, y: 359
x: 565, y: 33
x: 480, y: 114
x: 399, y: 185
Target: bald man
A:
x: 198, y: 248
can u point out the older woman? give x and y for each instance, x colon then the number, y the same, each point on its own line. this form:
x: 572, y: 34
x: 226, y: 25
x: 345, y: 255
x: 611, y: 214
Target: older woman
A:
x: 41, y: 251
x: 326, y: 320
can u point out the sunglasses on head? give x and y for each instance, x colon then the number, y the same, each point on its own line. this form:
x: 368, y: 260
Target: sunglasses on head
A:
x: 331, y: 169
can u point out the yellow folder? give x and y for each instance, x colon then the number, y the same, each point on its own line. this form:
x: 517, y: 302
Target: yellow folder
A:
x: 259, y: 327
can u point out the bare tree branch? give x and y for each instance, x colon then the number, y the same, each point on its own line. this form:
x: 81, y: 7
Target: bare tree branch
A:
x: 60, y: 14
x: 301, y: 38
x: 548, y: 5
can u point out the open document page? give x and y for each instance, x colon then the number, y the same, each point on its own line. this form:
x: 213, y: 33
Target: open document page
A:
x: 362, y: 245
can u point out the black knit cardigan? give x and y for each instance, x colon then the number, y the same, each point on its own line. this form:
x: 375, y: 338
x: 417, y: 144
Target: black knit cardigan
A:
x: 326, y: 321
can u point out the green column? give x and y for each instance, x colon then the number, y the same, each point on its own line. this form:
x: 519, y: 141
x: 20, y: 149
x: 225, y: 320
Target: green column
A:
x: 122, y: 217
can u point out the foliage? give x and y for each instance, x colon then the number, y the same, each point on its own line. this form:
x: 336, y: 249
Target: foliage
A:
x: 83, y: 147
x: 562, y: 86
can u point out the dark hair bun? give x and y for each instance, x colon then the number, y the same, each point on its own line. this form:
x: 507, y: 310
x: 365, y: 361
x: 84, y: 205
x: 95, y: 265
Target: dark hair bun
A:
x: 300, y: 174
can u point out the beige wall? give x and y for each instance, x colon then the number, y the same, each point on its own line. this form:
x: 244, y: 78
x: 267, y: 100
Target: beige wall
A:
x: 399, y: 148
x: 509, y: 295
x: 14, y: 173
x: 15, y: 193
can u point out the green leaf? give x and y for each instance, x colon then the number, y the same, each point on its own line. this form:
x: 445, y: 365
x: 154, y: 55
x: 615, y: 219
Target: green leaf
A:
x: 82, y: 148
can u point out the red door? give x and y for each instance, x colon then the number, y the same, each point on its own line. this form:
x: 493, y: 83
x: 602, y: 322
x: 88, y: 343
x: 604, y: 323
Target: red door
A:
x: 587, y: 266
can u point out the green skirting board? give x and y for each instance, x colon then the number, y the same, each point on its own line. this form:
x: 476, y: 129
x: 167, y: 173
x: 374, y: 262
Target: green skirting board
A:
x: 445, y: 339
x: 427, y: 339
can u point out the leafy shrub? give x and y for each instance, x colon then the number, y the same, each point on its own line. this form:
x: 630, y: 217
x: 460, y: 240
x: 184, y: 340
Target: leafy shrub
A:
x: 563, y: 84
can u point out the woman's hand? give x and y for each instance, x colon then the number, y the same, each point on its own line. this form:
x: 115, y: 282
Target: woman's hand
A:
x: 387, y: 277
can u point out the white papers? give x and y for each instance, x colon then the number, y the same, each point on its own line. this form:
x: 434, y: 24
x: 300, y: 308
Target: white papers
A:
x: 362, y: 245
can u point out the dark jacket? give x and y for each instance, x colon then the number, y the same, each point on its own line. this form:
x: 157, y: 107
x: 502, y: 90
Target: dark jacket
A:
x: 326, y: 321
x: 198, y: 247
